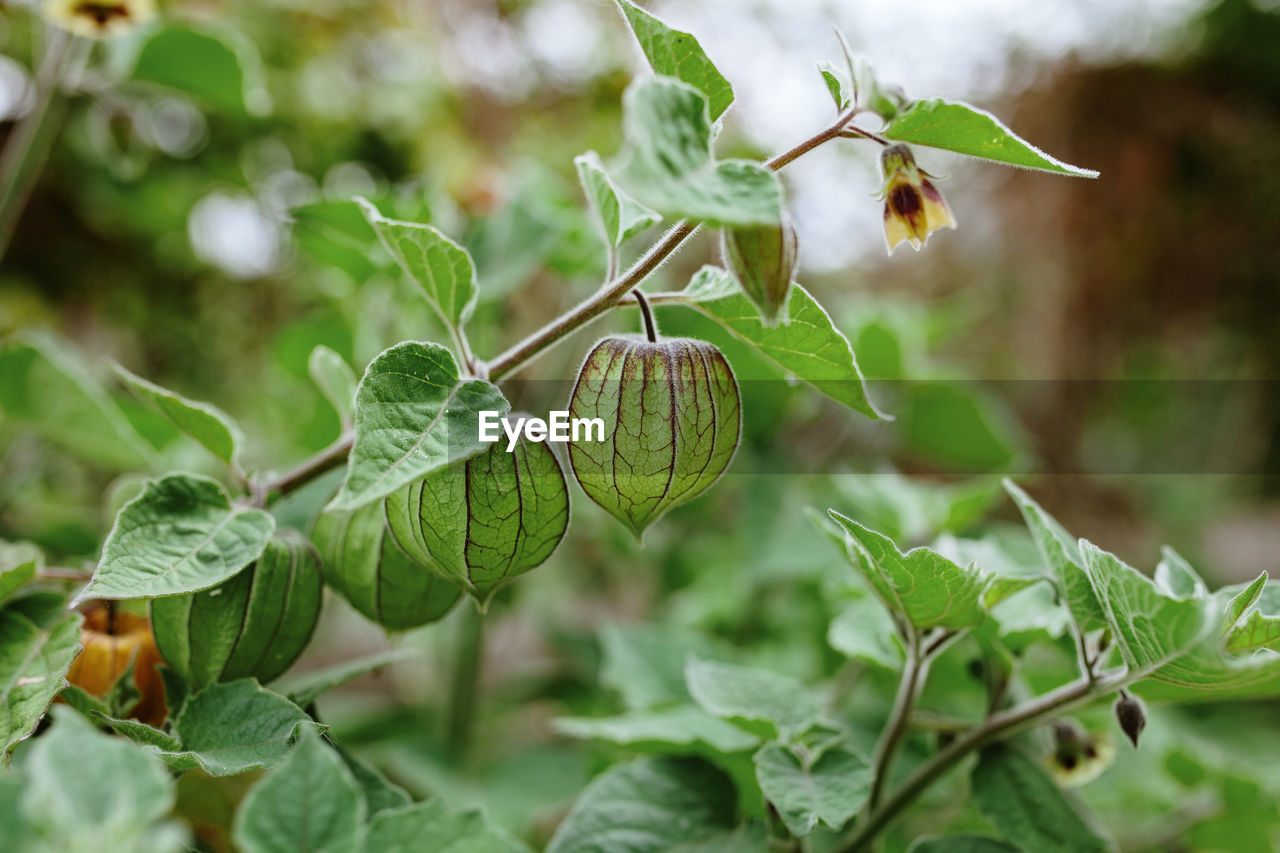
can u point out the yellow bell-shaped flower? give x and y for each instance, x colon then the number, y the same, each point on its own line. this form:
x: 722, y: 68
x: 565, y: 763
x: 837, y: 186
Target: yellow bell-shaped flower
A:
x: 913, y: 207
x: 99, y: 18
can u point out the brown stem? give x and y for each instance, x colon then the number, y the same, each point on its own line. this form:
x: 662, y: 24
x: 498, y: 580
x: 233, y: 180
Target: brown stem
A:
x: 913, y: 676
x: 329, y: 458
x: 646, y: 314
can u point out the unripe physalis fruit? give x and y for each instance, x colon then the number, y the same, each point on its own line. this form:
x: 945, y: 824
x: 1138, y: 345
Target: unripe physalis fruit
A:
x: 254, y: 624
x: 111, y: 638
x: 486, y: 519
x: 1131, y: 715
x: 672, y: 418
x: 365, y: 565
x: 763, y: 259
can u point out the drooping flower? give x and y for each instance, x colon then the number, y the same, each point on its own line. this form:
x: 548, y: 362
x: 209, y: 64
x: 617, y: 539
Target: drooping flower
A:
x: 99, y: 18
x: 913, y: 207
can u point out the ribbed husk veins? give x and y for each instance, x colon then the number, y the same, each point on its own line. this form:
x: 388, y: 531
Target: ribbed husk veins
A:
x: 254, y: 624
x: 672, y: 415
x: 763, y: 259
x: 364, y: 564
x: 485, y: 520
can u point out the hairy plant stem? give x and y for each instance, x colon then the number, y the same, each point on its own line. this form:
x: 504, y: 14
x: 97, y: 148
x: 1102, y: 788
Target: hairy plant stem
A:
x: 468, y: 654
x: 28, y: 145
x: 995, y: 727
x: 913, y: 677
x: 325, y: 460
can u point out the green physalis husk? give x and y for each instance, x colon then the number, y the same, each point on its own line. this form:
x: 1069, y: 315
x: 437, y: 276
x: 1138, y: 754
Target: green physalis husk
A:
x: 672, y: 415
x: 763, y: 259
x: 365, y: 565
x: 484, y: 520
x: 254, y: 624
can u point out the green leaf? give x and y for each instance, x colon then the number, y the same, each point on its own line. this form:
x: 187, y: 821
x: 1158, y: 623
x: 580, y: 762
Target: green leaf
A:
x: 673, y: 53
x: 1016, y: 795
x: 749, y: 837
x: 1149, y: 627
x: 838, y: 85
x: 229, y: 728
x: 44, y: 386
x: 1242, y: 601
x: 309, y: 802
x: 182, y: 534
x: 962, y: 844
x: 34, y: 660
x: 302, y: 690
x: 19, y: 563
x: 669, y: 166
x: 926, y: 587
x: 805, y: 344
x: 413, y: 415
x: 864, y: 631
x: 88, y: 791
x: 139, y: 733
x: 335, y: 379
x: 203, y: 65
x: 379, y: 793
x: 683, y: 729
x: 405, y: 830
x: 1175, y: 576
x: 965, y: 129
x: 1257, y: 631
x: 647, y: 806
x: 336, y: 234
x: 763, y: 702
x: 212, y: 428
x: 831, y: 789
x: 645, y: 663
x: 441, y: 268
x: 1062, y: 557
x: 619, y: 216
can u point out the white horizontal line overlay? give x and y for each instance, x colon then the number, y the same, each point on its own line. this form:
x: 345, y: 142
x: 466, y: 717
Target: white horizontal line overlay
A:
x: 559, y: 427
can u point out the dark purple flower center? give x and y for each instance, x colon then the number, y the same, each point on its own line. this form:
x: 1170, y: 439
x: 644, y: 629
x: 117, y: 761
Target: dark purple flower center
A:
x: 905, y: 201
x: 101, y: 13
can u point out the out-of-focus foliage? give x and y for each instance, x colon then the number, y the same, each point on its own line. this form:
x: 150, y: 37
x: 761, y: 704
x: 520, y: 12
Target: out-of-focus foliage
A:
x: 195, y: 222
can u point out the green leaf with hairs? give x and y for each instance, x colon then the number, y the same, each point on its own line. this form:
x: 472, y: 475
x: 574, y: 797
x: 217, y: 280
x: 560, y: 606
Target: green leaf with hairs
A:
x: 683, y: 729
x: 668, y: 164
x: 805, y: 789
x: 765, y: 703
x: 310, y: 801
x: 229, y: 728
x: 212, y: 428
x: 34, y: 660
x: 414, y: 414
x: 926, y: 587
x: 1061, y: 556
x: 404, y: 830
x: 673, y: 53
x: 441, y: 268
x: 805, y: 344
x: 1149, y: 627
x: 182, y: 534
x: 335, y: 379
x: 647, y: 806
x: 965, y: 129
x: 618, y: 215
x: 1029, y: 809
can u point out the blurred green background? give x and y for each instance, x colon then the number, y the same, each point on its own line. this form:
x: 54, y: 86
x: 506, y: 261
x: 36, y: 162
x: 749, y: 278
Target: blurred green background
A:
x: 1112, y: 343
